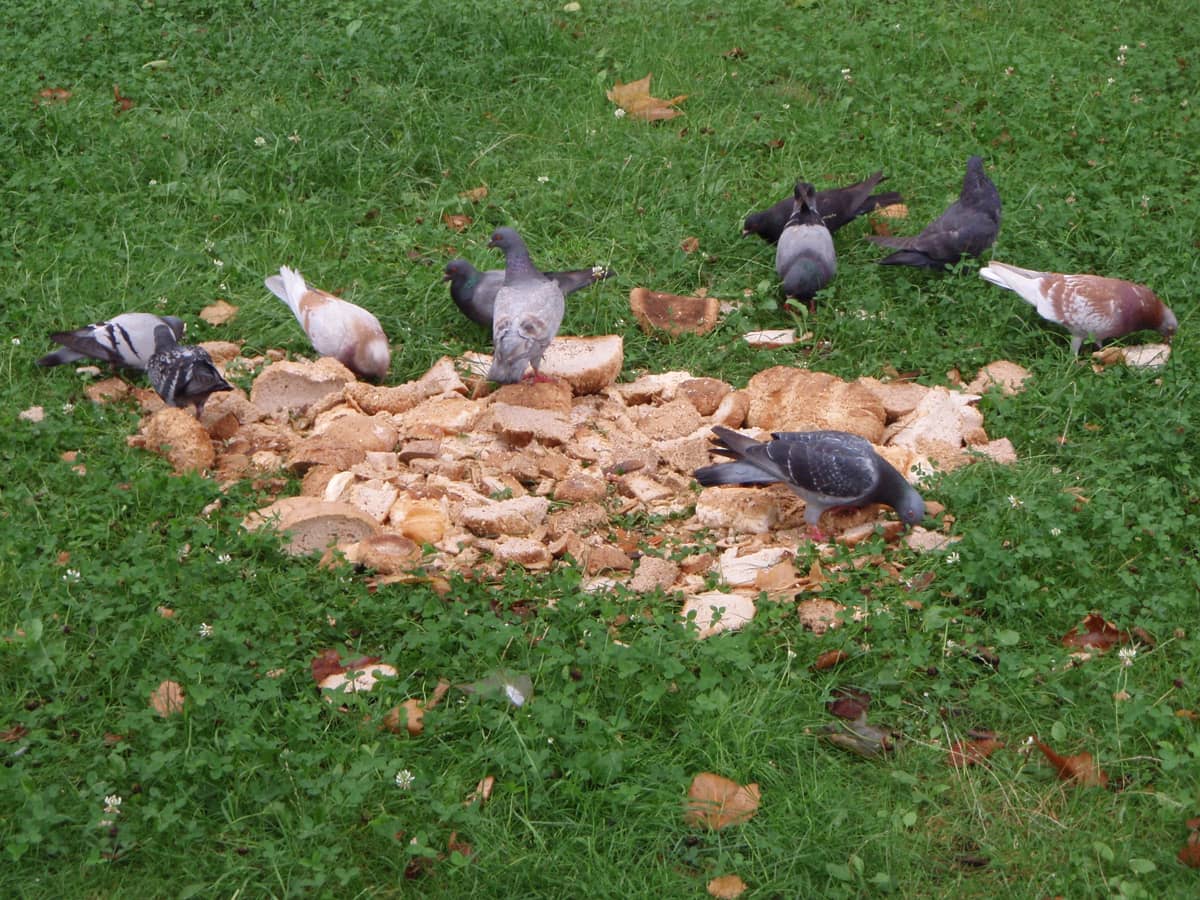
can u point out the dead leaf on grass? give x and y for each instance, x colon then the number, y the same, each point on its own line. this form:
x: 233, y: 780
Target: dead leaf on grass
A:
x: 726, y: 887
x: 167, y: 699
x: 475, y: 194
x: 218, y: 313
x: 716, y: 802
x: 690, y: 244
x: 121, y: 104
x: 973, y: 751
x: 456, y: 222
x: 13, y: 733
x: 848, y: 703
x: 829, y: 659
x: 1095, y: 633
x: 635, y: 99
x: 1079, y: 769
x: 52, y: 95
x: 483, y: 791
x: 409, y: 716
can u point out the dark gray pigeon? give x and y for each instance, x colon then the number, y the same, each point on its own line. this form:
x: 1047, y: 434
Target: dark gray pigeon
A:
x: 969, y: 225
x: 527, y: 313
x: 474, y: 292
x: 185, y: 374
x: 825, y: 468
x: 837, y: 206
x: 127, y: 340
x: 804, y: 257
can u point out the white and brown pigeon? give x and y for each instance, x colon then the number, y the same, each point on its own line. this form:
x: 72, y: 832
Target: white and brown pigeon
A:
x: 805, y: 259
x: 127, y: 340
x: 527, y: 314
x: 837, y: 206
x: 968, y: 226
x: 184, y: 375
x: 336, y: 327
x: 826, y: 469
x: 474, y: 292
x: 1091, y: 307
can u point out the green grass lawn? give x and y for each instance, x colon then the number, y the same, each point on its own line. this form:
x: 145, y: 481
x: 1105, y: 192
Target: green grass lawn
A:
x: 334, y: 137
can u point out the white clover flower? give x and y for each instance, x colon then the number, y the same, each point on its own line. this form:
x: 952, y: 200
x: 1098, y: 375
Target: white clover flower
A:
x: 1127, y: 655
x: 223, y: 559
x: 1055, y: 531
x: 260, y: 141
x: 294, y: 138
x: 846, y: 76
x: 161, y: 301
x: 205, y: 630
x: 619, y: 112
x: 218, y: 262
x: 152, y: 182
x: 16, y: 342
x: 71, y: 575
x: 542, y: 179
x: 1015, y: 502
x: 405, y: 779
x: 1112, y: 80
x: 68, y: 408
x: 112, y: 807
x: 791, y: 654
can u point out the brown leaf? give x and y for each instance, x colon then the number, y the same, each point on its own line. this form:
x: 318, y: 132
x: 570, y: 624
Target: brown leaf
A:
x: 972, y: 752
x: 635, y: 99
x: 167, y: 699
x: 1189, y: 853
x: 1080, y: 769
x: 482, y: 792
x: 52, y: 95
x: 848, y: 703
x: 1095, y: 633
x: 326, y: 663
x: 690, y: 244
x: 716, y: 802
x: 456, y: 222
x: 726, y: 887
x: 775, y: 143
x: 735, y: 53
x: 410, y: 715
x: 475, y: 194
x: 829, y: 659
x: 111, y: 739
x: 120, y: 104
x: 13, y: 733
x: 454, y: 845
x: 218, y: 313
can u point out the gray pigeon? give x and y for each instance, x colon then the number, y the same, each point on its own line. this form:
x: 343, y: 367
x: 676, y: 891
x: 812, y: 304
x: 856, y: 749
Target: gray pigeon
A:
x: 474, y: 292
x: 185, y: 374
x: 825, y: 468
x: 837, y: 206
x: 804, y: 257
x: 127, y: 340
x: 969, y: 225
x: 527, y: 313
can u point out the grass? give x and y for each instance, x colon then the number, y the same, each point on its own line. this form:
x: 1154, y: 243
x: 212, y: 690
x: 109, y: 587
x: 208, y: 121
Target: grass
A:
x: 334, y: 137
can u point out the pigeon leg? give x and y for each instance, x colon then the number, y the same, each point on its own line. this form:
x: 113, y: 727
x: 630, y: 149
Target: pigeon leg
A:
x: 538, y: 378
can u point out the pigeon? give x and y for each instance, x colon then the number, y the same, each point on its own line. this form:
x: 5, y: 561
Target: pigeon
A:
x: 185, y: 374
x: 127, y: 340
x: 1089, y: 306
x: 527, y: 313
x: 838, y: 207
x: 804, y: 257
x: 337, y: 328
x: 825, y: 468
x: 969, y: 225
x: 474, y: 292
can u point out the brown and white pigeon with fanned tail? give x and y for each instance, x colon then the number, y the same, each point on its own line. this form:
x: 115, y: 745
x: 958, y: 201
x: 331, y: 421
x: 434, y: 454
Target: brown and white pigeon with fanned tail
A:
x: 837, y: 206
x: 968, y: 226
x: 826, y: 469
x: 527, y: 314
x: 336, y: 327
x: 127, y: 340
x: 474, y: 292
x: 185, y: 375
x: 1091, y: 307
x: 805, y: 259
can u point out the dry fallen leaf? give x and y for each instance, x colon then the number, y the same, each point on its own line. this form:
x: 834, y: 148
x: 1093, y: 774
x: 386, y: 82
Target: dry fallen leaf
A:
x: 52, y: 95
x: 410, y: 715
x: 1080, y: 769
x: 1095, y: 633
x: 829, y: 659
x: 726, y: 887
x: 973, y: 751
x: 690, y: 244
x: 14, y: 733
x: 635, y: 99
x: 482, y: 792
x: 848, y: 703
x: 167, y: 699
x: 715, y: 801
x: 456, y: 222
x: 218, y: 313
x: 475, y: 194
x: 120, y: 104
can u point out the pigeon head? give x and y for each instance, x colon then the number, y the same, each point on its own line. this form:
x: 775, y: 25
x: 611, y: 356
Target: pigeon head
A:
x: 165, y: 336
x: 911, y: 508
x: 803, y: 195
x: 754, y: 224
x: 458, y: 270
x: 506, y: 239
x: 176, y: 325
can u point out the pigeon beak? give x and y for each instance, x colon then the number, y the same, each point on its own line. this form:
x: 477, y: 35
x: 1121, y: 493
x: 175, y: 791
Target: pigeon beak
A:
x: 446, y: 276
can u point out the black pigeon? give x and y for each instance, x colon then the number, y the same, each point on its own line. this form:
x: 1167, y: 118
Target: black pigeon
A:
x: 825, y: 468
x: 969, y: 225
x: 804, y: 257
x: 127, y: 340
x: 474, y: 292
x: 185, y: 374
x: 837, y: 206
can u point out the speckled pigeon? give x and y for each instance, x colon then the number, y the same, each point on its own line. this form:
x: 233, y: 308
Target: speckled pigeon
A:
x: 837, y: 206
x: 527, y: 314
x: 185, y: 374
x: 1088, y: 306
x: 804, y: 257
x: 336, y: 327
x: 127, y: 340
x: 825, y: 468
x: 474, y: 292
x: 969, y: 225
